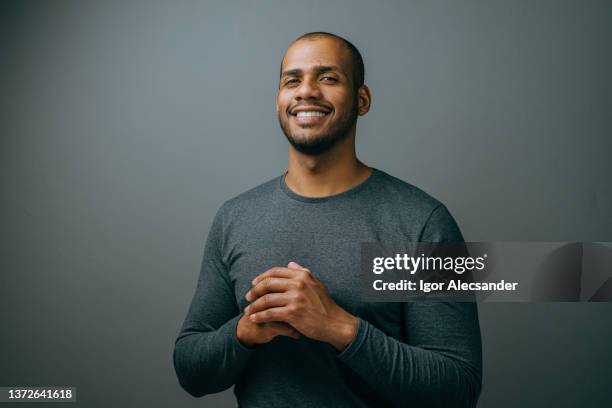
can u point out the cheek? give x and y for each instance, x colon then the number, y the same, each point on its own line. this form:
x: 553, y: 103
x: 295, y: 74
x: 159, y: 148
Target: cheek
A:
x: 342, y: 102
x: 283, y: 100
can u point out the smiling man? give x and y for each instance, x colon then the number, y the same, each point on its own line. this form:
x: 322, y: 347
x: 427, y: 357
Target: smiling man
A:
x: 277, y: 311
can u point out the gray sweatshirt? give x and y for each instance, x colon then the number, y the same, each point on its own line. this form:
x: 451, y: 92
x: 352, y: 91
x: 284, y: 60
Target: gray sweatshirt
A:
x: 409, y: 354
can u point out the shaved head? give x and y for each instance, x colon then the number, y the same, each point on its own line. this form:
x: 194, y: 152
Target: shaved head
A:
x: 357, y: 68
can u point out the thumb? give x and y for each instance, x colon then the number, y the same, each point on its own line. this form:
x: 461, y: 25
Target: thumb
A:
x: 284, y: 329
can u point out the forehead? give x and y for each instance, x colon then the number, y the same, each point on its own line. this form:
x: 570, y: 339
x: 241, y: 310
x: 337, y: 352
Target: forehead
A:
x: 308, y: 53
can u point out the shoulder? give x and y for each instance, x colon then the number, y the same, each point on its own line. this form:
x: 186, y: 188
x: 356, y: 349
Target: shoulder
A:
x: 255, y: 198
x: 404, y: 194
x: 401, y: 197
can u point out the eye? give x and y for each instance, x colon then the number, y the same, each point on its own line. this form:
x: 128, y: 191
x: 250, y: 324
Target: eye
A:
x: 329, y: 78
x: 291, y: 81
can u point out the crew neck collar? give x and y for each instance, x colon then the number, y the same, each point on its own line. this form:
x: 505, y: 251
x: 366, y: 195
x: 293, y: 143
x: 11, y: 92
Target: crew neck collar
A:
x: 346, y: 193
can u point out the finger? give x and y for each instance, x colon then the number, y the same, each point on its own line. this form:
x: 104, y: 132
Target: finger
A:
x: 274, y: 314
x: 295, y: 265
x: 267, y: 301
x: 277, y: 272
x: 284, y: 329
x: 271, y: 285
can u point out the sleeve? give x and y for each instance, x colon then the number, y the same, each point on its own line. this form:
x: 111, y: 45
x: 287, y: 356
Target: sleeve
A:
x: 438, y: 363
x: 208, y: 357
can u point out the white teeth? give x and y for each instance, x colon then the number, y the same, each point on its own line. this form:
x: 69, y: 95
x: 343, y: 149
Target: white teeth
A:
x: 312, y: 113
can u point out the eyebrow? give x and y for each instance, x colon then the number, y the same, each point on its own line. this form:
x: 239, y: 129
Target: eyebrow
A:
x: 319, y: 69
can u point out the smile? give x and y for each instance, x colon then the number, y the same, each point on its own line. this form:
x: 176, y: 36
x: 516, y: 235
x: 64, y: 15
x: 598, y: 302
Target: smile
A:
x: 310, y: 113
x: 310, y: 118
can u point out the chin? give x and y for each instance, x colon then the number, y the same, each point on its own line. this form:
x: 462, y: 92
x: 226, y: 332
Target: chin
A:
x: 308, y: 139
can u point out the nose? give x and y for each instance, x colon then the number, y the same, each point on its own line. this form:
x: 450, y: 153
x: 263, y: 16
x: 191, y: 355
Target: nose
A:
x: 308, y: 89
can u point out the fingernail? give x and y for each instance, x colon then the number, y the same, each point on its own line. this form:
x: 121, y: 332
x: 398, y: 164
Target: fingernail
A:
x: 252, y: 316
x: 247, y: 295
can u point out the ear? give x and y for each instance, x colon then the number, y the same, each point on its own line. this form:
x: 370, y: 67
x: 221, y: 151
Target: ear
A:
x: 365, y: 100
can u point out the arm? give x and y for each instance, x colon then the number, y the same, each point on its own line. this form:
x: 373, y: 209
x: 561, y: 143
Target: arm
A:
x: 208, y: 357
x: 438, y: 362
x: 438, y: 365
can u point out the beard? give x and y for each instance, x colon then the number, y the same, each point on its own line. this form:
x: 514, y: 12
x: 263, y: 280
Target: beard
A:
x: 318, y: 145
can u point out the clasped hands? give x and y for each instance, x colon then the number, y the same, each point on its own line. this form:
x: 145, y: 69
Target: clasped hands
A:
x: 292, y: 302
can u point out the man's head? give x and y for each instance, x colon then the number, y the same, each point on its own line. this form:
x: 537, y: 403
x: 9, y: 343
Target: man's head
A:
x: 321, y: 92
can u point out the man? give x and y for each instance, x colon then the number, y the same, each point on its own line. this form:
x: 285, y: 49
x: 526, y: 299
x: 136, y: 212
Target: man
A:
x: 277, y: 311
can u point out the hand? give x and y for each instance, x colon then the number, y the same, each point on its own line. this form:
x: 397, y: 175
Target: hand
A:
x: 250, y: 333
x: 294, y: 296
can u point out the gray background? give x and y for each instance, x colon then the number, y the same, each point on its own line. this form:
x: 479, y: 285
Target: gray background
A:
x: 125, y: 125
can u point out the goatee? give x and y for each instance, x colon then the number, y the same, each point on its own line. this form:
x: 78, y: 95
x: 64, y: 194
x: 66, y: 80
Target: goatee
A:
x: 323, y: 143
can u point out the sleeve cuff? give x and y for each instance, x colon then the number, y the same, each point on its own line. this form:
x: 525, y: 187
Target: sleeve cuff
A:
x: 232, y: 325
x: 354, y: 346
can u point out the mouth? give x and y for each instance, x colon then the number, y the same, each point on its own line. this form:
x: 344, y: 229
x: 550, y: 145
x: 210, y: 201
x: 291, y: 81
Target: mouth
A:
x: 310, y: 115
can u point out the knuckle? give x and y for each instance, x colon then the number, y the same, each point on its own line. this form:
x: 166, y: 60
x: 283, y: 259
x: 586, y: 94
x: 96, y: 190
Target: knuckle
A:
x: 300, y: 285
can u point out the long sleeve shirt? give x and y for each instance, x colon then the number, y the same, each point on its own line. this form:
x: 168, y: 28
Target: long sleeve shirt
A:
x: 404, y: 354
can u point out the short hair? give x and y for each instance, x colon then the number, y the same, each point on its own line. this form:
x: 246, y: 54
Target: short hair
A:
x: 357, y: 67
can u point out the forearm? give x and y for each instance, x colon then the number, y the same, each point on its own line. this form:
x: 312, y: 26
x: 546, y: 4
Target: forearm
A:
x: 208, y: 361
x: 406, y: 374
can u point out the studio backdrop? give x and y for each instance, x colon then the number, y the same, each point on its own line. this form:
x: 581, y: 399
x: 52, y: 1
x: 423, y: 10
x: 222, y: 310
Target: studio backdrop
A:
x: 125, y: 125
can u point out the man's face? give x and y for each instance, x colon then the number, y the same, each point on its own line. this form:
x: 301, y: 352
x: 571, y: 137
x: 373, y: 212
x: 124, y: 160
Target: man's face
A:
x: 316, y: 100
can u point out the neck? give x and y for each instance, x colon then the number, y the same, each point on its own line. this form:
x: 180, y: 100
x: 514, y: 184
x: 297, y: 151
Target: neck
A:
x: 329, y: 173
